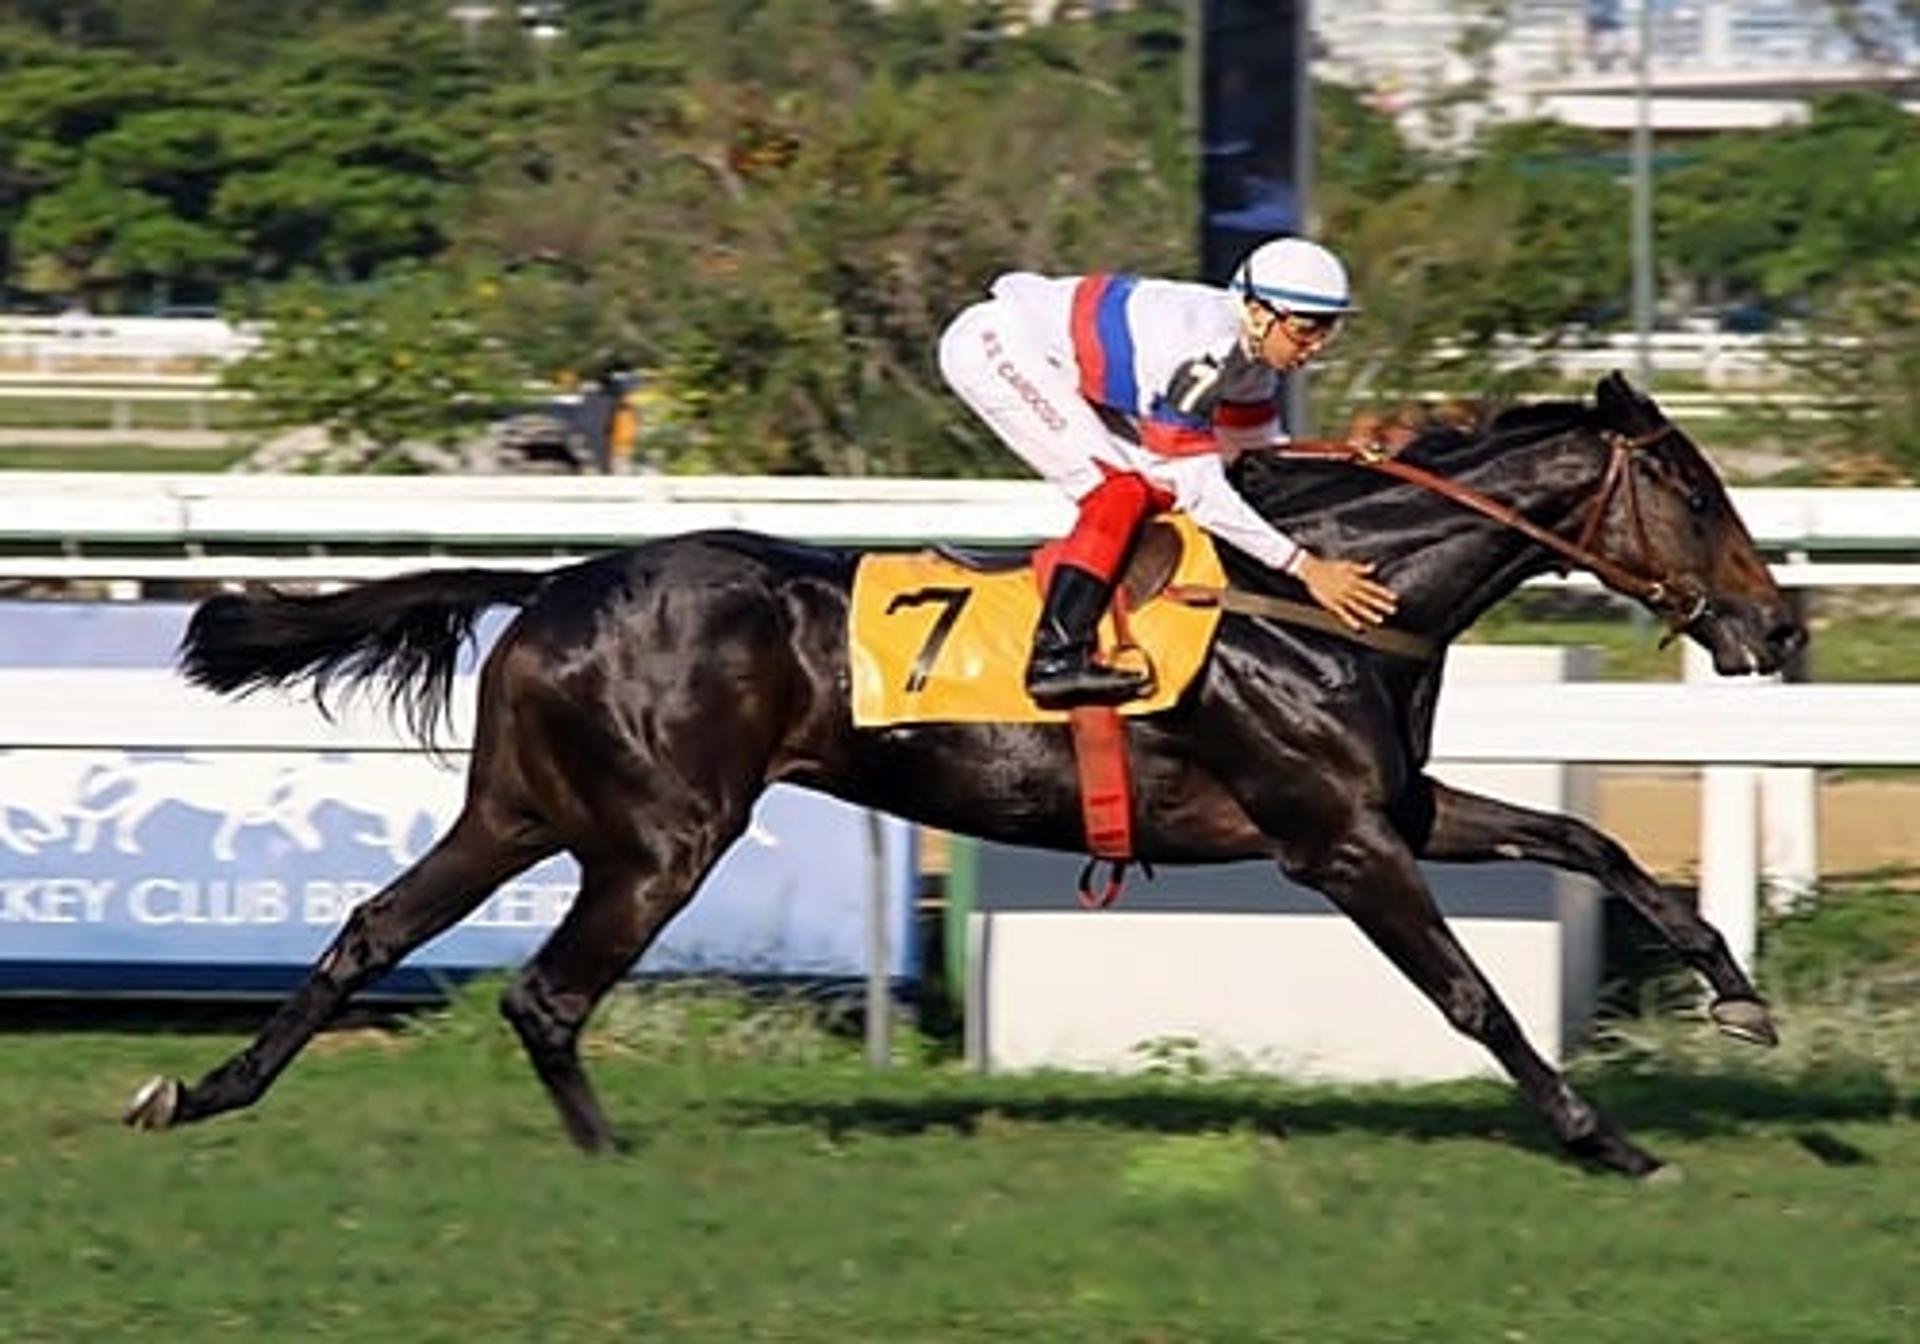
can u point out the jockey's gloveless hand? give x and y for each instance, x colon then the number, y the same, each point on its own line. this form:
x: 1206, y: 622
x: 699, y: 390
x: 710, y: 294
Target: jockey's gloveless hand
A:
x: 1343, y: 588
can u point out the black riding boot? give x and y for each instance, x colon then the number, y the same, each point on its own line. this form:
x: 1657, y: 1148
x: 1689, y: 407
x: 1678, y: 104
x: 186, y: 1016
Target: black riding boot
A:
x: 1062, y: 671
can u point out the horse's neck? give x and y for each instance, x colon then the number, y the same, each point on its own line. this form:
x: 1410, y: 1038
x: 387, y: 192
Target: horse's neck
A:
x: 1452, y: 563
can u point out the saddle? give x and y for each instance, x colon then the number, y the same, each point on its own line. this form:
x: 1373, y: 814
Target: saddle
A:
x: 941, y: 636
x: 967, y: 666
x: 1149, y: 570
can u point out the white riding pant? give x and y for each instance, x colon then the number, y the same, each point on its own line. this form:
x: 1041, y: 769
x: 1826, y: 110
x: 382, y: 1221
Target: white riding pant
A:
x: 1032, y: 400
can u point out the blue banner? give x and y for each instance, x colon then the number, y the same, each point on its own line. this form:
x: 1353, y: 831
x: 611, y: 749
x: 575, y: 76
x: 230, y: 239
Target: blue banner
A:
x: 229, y: 871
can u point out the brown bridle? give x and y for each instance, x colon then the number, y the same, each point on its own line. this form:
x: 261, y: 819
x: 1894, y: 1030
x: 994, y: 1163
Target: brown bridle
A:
x: 1679, y: 600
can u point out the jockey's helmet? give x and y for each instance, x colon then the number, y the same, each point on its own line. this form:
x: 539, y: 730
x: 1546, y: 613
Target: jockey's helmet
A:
x: 1295, y: 276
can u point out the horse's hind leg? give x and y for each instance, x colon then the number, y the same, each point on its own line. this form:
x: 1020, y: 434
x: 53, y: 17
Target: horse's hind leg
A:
x: 1462, y: 827
x: 624, y: 902
x: 1372, y: 876
x: 436, y: 893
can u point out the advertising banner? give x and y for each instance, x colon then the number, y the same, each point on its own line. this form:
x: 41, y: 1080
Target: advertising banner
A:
x: 227, y: 871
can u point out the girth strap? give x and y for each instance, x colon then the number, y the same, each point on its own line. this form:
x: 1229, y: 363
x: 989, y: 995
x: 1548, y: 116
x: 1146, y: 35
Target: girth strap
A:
x: 1106, y: 797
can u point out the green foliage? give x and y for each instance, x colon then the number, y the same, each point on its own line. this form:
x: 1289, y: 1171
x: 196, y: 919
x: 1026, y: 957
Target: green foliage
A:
x: 1525, y: 235
x: 185, y: 174
x: 1795, y: 214
x: 771, y: 207
x: 1862, y: 934
x: 811, y: 206
x: 1820, y: 219
x: 1863, y: 356
x: 410, y: 359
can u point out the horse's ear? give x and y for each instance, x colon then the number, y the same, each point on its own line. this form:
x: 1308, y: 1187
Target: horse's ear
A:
x: 1623, y: 406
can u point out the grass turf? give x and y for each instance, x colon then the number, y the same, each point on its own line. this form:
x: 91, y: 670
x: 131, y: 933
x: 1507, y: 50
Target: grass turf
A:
x: 415, y: 1187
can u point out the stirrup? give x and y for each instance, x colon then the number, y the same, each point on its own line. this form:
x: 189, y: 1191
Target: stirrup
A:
x: 1088, y: 684
x: 1116, y: 881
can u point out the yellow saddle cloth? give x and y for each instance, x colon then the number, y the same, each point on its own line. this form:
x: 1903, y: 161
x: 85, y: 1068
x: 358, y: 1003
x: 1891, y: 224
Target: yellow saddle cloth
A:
x: 934, y: 641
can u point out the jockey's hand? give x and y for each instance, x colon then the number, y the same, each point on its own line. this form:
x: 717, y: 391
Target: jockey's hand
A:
x: 1343, y: 588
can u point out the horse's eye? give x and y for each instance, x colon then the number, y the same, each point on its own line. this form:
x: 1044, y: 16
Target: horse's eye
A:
x: 1698, y: 501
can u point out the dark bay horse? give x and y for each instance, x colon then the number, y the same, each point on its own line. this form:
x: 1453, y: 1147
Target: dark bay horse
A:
x: 642, y: 700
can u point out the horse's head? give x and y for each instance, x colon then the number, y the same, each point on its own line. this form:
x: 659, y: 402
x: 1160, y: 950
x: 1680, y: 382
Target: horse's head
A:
x: 1663, y: 516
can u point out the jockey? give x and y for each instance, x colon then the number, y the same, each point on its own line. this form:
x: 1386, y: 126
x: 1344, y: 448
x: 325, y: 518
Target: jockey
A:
x: 1132, y: 395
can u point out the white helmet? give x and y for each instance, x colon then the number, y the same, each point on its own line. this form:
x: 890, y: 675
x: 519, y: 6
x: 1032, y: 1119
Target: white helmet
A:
x: 1296, y: 275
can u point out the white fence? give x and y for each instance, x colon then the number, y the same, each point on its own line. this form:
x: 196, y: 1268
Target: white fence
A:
x: 69, y: 340
x: 76, y: 510
x: 197, y: 391
x: 183, y: 523
x: 1729, y: 724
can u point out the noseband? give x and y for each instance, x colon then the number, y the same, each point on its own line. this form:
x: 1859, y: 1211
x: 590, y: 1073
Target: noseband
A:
x: 1679, y: 600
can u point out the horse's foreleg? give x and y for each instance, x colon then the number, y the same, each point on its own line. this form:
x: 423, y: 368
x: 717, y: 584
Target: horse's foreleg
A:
x: 428, y: 898
x: 1469, y: 828
x: 622, y: 907
x: 1373, y: 877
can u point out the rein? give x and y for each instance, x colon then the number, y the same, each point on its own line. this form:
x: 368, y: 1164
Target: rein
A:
x: 1679, y: 601
x: 1399, y: 643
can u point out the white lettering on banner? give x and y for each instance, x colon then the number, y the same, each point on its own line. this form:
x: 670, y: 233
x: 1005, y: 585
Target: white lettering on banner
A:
x: 524, y: 905
x: 165, y: 900
x: 330, y: 903
x: 54, y: 900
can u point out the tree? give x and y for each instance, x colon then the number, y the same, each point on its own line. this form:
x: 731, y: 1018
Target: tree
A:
x: 1820, y: 220
x: 342, y: 153
x: 1793, y: 214
x: 786, y: 206
x: 409, y: 359
x: 1522, y: 236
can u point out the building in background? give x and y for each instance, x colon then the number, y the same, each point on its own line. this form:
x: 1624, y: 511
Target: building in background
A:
x: 1442, y: 65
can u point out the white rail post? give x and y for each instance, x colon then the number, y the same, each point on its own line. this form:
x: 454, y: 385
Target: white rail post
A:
x: 1729, y: 839
x: 1790, y: 804
x: 879, y: 995
x: 1789, y: 836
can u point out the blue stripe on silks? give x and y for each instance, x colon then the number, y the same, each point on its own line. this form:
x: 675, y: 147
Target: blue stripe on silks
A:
x: 1116, y: 339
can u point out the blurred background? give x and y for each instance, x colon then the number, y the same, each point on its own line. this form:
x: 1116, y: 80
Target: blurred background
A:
x: 729, y: 233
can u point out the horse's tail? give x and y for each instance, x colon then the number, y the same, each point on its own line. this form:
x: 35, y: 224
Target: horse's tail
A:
x: 405, y: 630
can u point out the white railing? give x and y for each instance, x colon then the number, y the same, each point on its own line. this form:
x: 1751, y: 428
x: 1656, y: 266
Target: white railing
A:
x: 195, y: 389
x: 53, y: 342
x: 1726, y: 725
x: 76, y: 510
x: 67, y: 340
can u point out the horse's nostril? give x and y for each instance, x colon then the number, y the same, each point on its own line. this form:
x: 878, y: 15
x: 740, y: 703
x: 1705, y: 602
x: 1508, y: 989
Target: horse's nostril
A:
x: 1787, y: 638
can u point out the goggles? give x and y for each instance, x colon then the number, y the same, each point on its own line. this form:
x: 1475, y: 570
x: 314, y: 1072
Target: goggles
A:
x: 1303, y: 327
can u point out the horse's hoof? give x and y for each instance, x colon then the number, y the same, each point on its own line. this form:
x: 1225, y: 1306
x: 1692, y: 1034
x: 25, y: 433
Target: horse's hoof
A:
x: 1665, y: 1174
x: 154, y: 1105
x: 1745, y: 1020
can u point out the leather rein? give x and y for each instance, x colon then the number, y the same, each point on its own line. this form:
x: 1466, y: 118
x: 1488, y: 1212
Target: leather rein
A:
x: 1678, y: 600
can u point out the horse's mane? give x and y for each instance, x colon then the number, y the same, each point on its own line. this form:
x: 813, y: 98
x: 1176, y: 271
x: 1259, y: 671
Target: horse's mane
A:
x: 1279, y: 487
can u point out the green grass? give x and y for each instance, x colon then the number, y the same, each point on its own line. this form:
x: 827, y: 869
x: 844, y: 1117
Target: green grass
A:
x: 87, y: 413
x: 1627, y: 651
x: 1866, y: 648
x: 1854, y: 647
x: 118, y: 457
x: 415, y: 1187
x: 1861, y: 936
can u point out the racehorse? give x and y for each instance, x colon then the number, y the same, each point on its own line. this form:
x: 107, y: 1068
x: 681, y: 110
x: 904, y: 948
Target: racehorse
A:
x: 643, y: 699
